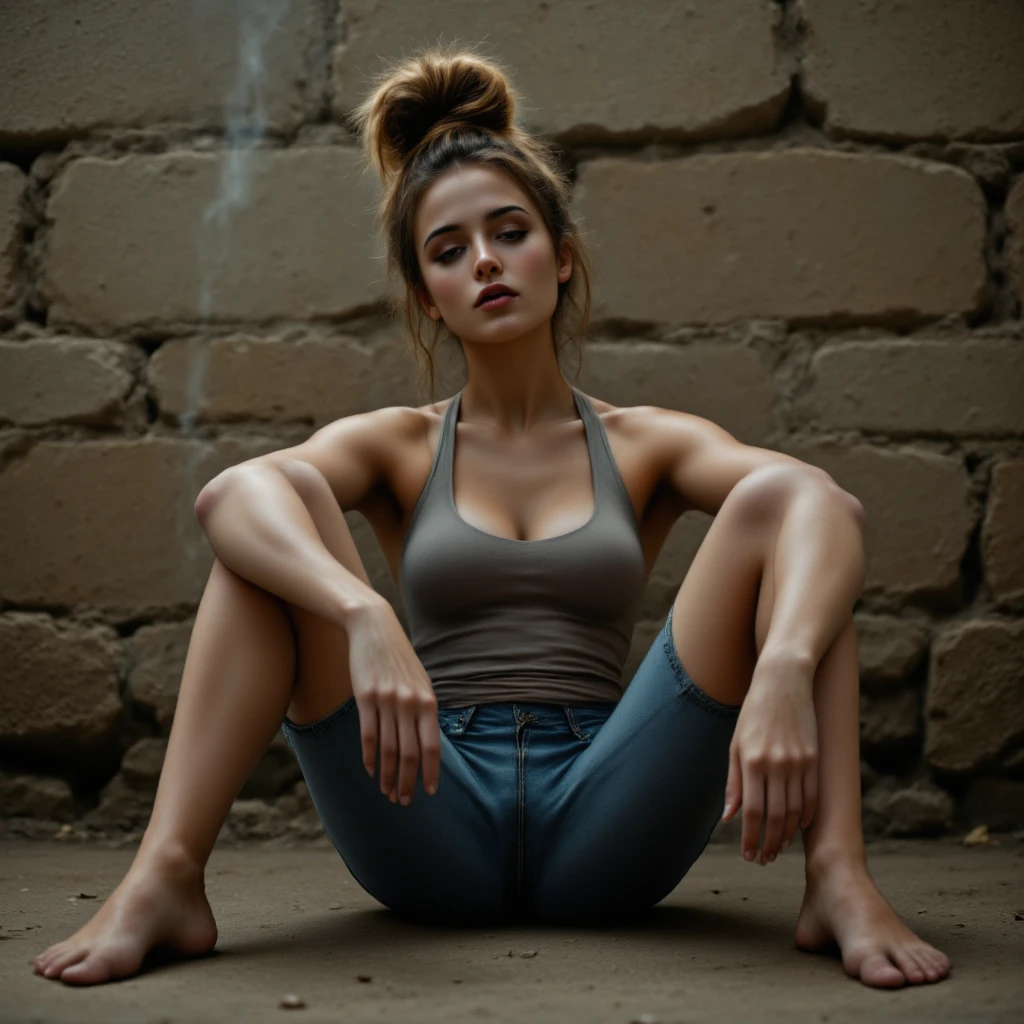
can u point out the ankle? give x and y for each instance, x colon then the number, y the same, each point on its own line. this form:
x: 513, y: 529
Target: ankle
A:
x: 170, y: 858
x: 822, y: 861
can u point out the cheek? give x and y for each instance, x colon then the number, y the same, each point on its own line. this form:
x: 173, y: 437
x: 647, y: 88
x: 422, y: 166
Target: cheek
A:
x: 538, y: 263
x: 446, y: 290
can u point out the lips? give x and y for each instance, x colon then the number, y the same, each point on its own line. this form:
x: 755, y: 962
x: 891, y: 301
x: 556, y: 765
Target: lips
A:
x: 492, y: 292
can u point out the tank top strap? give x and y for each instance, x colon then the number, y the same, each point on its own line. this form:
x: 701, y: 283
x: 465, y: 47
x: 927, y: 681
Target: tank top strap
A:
x: 446, y: 449
x: 601, y: 459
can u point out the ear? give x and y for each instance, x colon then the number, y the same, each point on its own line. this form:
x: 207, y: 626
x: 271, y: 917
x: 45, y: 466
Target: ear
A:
x: 428, y: 307
x: 565, y: 262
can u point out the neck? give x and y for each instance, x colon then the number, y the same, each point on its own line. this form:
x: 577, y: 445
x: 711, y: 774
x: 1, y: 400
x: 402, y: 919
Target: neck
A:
x: 516, y: 385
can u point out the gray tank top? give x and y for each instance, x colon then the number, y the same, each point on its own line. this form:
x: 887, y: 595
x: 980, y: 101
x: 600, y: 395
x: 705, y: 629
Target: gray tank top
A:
x: 494, y: 619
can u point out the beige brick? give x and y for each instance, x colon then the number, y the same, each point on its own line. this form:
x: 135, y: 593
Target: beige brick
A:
x: 157, y: 660
x: 918, y: 516
x: 276, y: 379
x: 58, y: 683
x: 728, y: 384
x: 139, y: 241
x: 66, y: 380
x: 717, y: 68
x: 917, y: 69
x: 1002, y: 536
x: 73, y: 67
x: 974, y: 708
x: 110, y: 523
x: 12, y: 187
x: 799, y: 234
x: 958, y: 388
x: 1015, y: 242
x: 889, y: 650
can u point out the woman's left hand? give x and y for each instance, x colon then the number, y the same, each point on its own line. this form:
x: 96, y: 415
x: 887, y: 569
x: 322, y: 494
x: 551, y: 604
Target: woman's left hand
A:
x: 773, y: 758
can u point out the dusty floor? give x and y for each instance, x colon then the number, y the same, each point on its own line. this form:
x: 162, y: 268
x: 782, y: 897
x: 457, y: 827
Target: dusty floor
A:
x: 719, y: 948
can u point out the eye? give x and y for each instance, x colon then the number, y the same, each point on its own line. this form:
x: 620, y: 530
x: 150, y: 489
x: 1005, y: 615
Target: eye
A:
x: 443, y: 257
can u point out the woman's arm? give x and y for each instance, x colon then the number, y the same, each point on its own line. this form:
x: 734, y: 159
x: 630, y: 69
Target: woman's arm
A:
x: 818, y: 566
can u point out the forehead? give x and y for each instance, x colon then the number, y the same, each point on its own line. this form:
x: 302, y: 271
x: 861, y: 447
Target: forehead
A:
x: 464, y: 194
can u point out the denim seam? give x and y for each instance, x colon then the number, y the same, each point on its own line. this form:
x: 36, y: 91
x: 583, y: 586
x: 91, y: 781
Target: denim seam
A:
x: 321, y: 724
x: 687, y: 687
x: 574, y: 725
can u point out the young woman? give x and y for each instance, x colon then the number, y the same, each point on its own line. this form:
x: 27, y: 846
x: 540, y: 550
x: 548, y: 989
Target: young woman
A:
x: 517, y: 778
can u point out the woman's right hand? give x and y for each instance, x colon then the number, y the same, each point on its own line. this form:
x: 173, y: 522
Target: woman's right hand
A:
x: 396, y: 702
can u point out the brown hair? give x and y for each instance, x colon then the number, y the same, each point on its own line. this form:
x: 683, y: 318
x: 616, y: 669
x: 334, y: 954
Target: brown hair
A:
x: 447, y: 106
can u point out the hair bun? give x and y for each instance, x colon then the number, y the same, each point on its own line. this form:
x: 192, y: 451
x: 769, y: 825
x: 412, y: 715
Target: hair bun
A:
x: 424, y: 97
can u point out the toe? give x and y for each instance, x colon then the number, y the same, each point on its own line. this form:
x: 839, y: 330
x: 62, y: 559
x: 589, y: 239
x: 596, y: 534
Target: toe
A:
x: 46, y: 957
x: 91, y: 971
x: 909, y: 965
x: 876, y: 969
x: 65, y: 959
x: 106, y: 966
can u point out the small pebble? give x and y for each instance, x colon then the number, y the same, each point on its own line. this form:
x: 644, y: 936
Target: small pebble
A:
x: 528, y: 953
x: 334, y: 906
x: 292, y: 1002
x: 364, y: 977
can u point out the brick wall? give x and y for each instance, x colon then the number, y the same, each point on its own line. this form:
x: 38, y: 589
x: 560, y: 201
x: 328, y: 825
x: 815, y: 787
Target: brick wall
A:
x: 808, y: 220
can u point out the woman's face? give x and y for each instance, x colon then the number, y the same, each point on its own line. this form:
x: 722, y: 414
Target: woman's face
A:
x: 512, y: 248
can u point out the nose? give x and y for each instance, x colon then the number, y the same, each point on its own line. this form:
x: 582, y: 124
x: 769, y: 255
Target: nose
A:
x: 486, y: 262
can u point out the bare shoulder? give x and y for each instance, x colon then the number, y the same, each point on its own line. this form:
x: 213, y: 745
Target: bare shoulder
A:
x: 698, y: 460
x: 359, y: 454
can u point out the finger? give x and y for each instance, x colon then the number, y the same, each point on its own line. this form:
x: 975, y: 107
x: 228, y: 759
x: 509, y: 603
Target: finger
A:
x: 753, y: 810
x: 369, y: 733
x: 733, y: 787
x: 775, y: 816
x: 794, y: 807
x: 430, y: 748
x: 810, y: 795
x: 388, y: 747
x: 408, y: 749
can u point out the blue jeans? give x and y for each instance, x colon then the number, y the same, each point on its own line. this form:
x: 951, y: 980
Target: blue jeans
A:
x: 543, y: 812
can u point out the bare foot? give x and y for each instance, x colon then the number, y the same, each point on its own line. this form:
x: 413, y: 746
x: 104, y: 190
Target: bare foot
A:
x: 842, y: 906
x: 160, y: 902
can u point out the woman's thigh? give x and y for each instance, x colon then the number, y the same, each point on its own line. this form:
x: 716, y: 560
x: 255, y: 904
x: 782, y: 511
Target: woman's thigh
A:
x: 622, y: 826
x: 442, y: 857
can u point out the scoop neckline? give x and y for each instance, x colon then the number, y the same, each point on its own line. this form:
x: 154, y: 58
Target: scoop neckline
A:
x: 577, y: 398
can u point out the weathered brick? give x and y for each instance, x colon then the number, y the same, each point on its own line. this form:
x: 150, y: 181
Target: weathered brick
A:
x: 110, y: 523
x: 1002, y: 536
x: 143, y: 761
x: 688, y: 378
x: 800, y: 234
x: 921, y: 809
x: 890, y: 721
x: 65, y: 380
x: 72, y: 67
x: 1015, y: 242
x: 58, y: 683
x: 974, y: 708
x: 33, y: 796
x: 276, y: 379
x: 157, y: 660
x: 904, y: 387
x: 911, y: 70
x: 889, y: 650
x: 12, y: 186
x: 139, y: 241
x: 918, y: 516
x: 718, y: 70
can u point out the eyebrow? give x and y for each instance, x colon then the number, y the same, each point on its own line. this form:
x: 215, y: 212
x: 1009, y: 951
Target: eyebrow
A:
x: 501, y: 211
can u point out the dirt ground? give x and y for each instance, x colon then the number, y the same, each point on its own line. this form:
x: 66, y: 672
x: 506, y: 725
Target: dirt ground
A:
x: 720, y: 947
